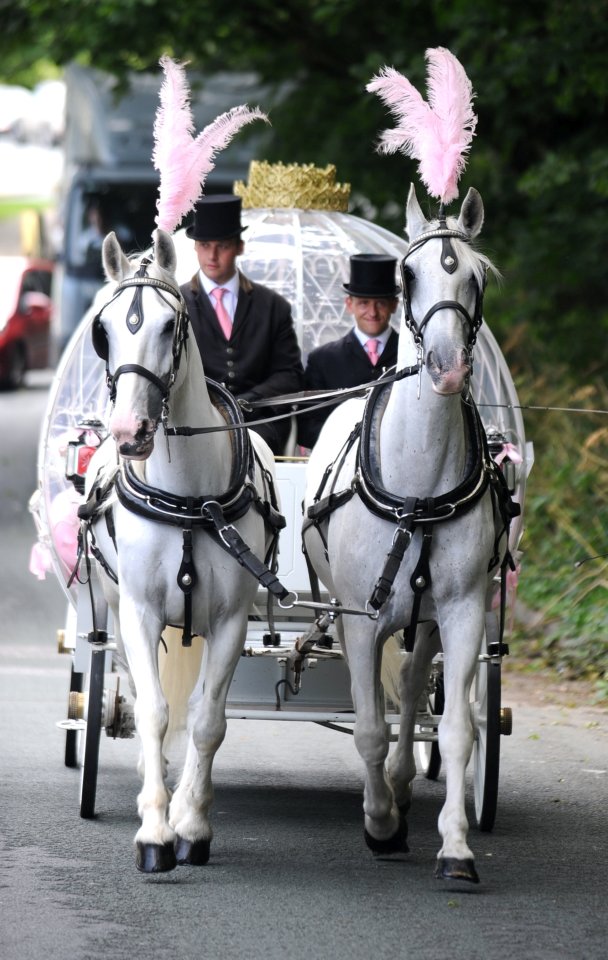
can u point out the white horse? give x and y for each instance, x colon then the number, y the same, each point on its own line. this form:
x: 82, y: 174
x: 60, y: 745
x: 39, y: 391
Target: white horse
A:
x: 177, y: 504
x: 421, y: 479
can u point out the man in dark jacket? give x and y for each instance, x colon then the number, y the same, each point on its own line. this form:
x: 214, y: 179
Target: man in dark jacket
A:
x: 366, y: 350
x: 244, y: 331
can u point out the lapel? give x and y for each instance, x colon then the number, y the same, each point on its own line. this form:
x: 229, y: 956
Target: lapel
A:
x: 390, y: 349
x: 244, y: 301
x: 356, y: 352
x: 206, y: 316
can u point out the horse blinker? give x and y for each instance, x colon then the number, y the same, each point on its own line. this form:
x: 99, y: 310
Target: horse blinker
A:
x: 100, y: 339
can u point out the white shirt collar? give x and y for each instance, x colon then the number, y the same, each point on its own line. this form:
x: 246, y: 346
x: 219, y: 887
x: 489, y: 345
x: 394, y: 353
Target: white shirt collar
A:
x: 382, y: 337
x: 230, y: 299
x: 208, y: 285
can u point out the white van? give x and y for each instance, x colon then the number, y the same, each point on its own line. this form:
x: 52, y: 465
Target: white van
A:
x: 110, y: 182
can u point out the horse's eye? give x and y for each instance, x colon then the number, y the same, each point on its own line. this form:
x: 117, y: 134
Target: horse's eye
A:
x: 170, y: 326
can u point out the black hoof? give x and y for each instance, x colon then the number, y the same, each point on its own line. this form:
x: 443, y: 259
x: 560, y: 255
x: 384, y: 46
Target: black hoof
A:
x: 395, y: 844
x: 193, y: 853
x: 449, y: 868
x: 155, y: 857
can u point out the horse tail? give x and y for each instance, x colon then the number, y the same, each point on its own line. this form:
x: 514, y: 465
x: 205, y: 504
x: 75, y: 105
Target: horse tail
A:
x: 392, y: 661
x: 179, y: 668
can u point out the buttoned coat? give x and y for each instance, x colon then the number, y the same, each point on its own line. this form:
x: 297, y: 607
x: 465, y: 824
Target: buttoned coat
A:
x: 340, y: 363
x: 262, y: 357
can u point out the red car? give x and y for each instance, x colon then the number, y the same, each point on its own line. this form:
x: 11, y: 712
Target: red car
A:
x: 25, y: 317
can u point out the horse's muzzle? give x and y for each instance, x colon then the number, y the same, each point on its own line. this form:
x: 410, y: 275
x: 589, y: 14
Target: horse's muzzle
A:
x: 448, y: 374
x: 133, y: 451
x: 137, y: 446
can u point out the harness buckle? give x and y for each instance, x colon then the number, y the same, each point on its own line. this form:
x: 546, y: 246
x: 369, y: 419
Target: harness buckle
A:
x: 223, y: 532
x: 402, y: 530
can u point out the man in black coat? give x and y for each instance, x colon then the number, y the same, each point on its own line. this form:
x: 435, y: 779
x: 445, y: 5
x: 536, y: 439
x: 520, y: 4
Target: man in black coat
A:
x: 244, y: 331
x: 366, y: 350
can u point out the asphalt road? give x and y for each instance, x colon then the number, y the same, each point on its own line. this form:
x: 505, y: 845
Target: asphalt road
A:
x: 289, y: 875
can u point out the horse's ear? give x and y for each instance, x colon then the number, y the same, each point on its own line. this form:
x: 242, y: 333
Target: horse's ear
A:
x: 164, y: 251
x: 415, y: 221
x: 115, y: 263
x: 470, y: 220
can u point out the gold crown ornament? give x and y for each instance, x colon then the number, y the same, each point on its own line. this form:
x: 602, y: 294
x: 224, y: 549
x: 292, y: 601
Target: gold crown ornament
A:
x: 293, y: 185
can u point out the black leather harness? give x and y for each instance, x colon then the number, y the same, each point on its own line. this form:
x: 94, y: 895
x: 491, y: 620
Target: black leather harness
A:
x: 408, y: 513
x: 215, y: 513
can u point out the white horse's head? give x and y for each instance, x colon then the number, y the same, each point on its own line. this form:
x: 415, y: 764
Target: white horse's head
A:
x: 139, y: 333
x: 443, y: 290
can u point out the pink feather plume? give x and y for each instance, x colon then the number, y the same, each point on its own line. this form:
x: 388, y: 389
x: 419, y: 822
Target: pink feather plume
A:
x: 439, y: 133
x: 184, y: 161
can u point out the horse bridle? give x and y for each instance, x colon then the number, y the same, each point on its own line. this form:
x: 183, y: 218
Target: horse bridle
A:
x: 449, y: 262
x: 134, y: 321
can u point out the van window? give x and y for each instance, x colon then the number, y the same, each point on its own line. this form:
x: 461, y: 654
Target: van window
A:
x: 128, y: 209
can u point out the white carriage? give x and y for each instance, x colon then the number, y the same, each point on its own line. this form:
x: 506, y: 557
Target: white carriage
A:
x: 303, y: 254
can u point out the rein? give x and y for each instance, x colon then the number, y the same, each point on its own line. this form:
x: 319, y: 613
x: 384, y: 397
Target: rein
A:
x: 327, y: 398
x: 527, y: 406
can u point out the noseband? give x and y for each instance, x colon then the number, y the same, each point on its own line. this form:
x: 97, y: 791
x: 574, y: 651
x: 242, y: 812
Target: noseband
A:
x: 134, y: 321
x: 449, y: 262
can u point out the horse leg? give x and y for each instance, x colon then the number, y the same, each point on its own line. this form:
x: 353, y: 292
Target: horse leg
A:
x: 385, y: 829
x: 154, y: 839
x: 412, y: 684
x: 190, y: 807
x: 461, y: 633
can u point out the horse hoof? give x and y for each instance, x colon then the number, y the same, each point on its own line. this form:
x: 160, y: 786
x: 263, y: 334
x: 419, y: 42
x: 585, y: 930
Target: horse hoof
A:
x: 395, y: 844
x: 449, y: 868
x: 192, y: 853
x: 155, y: 857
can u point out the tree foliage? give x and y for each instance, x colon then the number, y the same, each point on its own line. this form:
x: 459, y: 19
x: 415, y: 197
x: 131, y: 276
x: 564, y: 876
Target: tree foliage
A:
x: 539, y: 159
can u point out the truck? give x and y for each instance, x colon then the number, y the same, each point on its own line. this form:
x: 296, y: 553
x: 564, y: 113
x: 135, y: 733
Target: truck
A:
x: 109, y: 182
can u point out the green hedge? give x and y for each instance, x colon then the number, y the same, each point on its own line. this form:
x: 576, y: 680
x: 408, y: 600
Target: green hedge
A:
x: 563, y: 607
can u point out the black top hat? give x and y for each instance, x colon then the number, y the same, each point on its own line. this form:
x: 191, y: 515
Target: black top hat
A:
x: 372, y: 275
x: 216, y: 217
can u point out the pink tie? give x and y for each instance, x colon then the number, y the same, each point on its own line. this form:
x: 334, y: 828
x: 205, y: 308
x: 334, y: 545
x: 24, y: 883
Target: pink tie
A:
x: 372, y: 351
x: 222, y: 314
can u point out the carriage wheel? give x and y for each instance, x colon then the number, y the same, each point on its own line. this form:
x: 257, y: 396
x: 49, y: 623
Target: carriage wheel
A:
x: 486, y: 749
x: 428, y: 752
x: 72, y: 736
x: 88, y: 783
